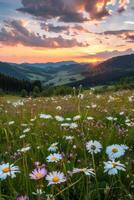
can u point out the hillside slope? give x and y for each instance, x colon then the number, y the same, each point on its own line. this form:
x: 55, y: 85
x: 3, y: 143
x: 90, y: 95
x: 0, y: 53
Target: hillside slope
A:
x: 109, y: 71
x: 72, y: 73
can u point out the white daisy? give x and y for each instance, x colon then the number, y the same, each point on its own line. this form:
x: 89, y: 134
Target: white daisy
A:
x: 59, y: 118
x: 8, y: 170
x: 115, y: 151
x: 65, y: 125
x: 90, y: 118
x: 26, y: 130
x: 11, y: 122
x: 55, y: 178
x: 22, y: 136
x: 93, y: 146
x: 53, y: 147
x: 24, y: 149
x: 73, y: 125
x: 45, y: 116
x: 54, y: 157
x: 86, y: 171
x: 77, y: 117
x: 69, y: 137
x: 68, y: 119
x: 110, y: 118
x: 112, y: 167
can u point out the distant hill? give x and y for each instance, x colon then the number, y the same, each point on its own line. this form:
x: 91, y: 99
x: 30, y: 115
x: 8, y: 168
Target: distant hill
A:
x: 48, y: 73
x: 109, y: 71
x: 12, y: 71
x: 72, y: 73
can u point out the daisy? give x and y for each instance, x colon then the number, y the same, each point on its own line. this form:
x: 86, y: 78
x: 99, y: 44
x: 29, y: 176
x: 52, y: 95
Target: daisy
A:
x: 69, y: 137
x: 93, y: 146
x: 68, y: 119
x: 110, y: 118
x: 115, y: 151
x: 112, y: 167
x: 26, y: 130
x: 22, y: 136
x: 86, y: 171
x: 8, y: 170
x: 11, y: 122
x: 54, y: 157
x: 65, y: 125
x: 53, y: 147
x: 77, y: 117
x: 44, y: 116
x: 90, y: 118
x: 24, y: 149
x: 73, y: 125
x: 59, y: 118
x: 55, y: 178
x: 38, y: 173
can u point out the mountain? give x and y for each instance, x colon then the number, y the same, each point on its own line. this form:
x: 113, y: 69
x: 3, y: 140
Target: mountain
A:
x: 49, y: 64
x: 72, y: 73
x: 12, y: 71
x: 109, y: 71
x: 59, y: 73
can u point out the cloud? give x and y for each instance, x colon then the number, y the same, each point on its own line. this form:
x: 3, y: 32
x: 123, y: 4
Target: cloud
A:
x: 107, y: 54
x: 127, y: 35
x: 72, y: 10
x: 76, y: 29
x: 117, y: 32
x: 52, y: 28
x: 15, y: 33
x: 123, y: 5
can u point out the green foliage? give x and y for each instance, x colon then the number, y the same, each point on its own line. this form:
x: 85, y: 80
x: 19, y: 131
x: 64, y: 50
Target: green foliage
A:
x: 36, y: 92
x: 24, y: 93
x: 124, y: 83
x: 1, y: 92
x: 57, y: 91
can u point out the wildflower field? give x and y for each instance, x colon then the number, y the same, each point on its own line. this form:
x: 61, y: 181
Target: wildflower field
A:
x: 76, y: 147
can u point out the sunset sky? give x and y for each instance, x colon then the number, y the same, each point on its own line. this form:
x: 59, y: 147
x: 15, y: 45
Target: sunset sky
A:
x: 57, y: 30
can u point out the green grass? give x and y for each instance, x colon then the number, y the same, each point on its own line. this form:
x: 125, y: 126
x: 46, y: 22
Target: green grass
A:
x: 44, y: 132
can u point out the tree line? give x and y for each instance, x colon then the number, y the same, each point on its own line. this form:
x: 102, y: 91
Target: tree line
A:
x: 10, y: 84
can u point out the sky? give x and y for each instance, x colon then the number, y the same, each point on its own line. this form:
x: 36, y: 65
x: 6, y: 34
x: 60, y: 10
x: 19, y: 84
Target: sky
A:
x: 60, y: 30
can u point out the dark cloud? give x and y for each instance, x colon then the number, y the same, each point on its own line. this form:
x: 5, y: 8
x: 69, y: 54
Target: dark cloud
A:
x: 76, y: 29
x: 65, y: 10
x: 52, y: 28
x: 127, y: 35
x: 130, y: 38
x: 107, y: 54
x: 117, y: 32
x: 71, y: 10
x: 15, y: 33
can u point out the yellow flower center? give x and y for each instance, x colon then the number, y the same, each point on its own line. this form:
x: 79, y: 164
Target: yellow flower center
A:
x: 114, y: 150
x: 6, y: 170
x: 39, y: 175
x: 54, y: 158
x: 56, y: 179
x: 114, y: 164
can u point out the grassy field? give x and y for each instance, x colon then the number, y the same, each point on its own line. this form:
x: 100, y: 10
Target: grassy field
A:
x: 67, y: 148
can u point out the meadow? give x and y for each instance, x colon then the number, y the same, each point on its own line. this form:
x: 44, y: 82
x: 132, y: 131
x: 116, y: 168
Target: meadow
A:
x: 75, y: 147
